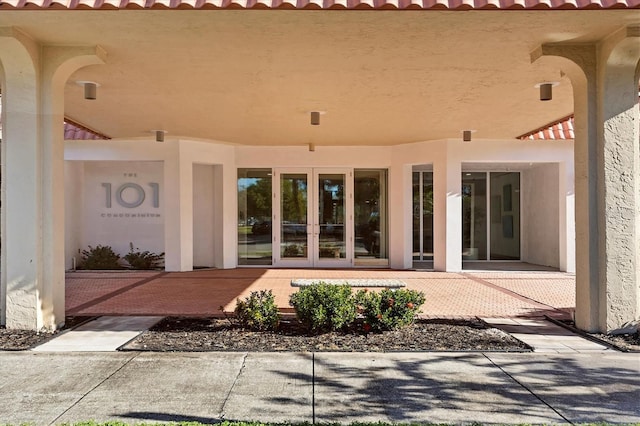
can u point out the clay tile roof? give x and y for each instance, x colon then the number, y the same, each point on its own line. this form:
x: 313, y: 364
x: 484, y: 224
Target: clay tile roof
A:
x: 561, y: 129
x: 323, y: 4
x: 76, y: 131
x: 557, y: 130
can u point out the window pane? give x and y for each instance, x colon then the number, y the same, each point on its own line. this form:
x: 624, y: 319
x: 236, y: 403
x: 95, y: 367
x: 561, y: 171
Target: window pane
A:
x: 254, y: 217
x: 416, y: 215
x: 474, y: 216
x: 331, y: 218
x: 427, y: 215
x: 370, y: 214
x: 293, y: 229
x: 505, y: 216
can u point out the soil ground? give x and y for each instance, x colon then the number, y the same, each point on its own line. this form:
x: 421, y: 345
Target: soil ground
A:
x: 211, y: 334
x: 21, y: 340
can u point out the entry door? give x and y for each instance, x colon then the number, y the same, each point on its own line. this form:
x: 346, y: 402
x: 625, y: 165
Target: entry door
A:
x: 313, y: 219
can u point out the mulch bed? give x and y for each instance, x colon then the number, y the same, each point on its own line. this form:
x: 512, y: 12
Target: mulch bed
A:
x: 22, y: 340
x: 623, y: 342
x: 210, y: 334
x: 629, y: 342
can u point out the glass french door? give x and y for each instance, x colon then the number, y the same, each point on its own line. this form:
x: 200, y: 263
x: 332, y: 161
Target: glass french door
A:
x: 313, y: 221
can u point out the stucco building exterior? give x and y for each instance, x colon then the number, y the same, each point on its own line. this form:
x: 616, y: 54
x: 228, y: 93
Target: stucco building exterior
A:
x: 311, y: 137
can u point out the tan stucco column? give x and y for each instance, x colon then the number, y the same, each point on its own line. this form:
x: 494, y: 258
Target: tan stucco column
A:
x: 33, y: 82
x: 605, y: 78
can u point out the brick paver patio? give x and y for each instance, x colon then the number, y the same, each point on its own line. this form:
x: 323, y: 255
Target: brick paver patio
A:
x: 203, y: 292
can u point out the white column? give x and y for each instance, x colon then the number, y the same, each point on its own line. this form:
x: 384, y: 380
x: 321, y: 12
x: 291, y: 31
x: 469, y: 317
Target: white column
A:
x: 178, y: 225
x: 229, y: 214
x: 33, y: 177
x: 400, y: 208
x: 58, y: 65
x: 566, y: 220
x: 225, y: 220
x: 447, y: 217
x: 21, y: 201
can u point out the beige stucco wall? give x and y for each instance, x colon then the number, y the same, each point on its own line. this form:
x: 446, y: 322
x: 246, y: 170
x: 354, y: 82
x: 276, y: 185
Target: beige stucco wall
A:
x: 540, y: 211
x: 74, y: 204
x: 203, y: 215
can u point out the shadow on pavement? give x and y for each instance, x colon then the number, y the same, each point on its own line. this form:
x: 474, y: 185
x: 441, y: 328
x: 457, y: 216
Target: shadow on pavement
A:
x: 467, y: 388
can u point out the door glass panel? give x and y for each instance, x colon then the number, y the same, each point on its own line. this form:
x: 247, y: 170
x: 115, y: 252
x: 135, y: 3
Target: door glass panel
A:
x: 427, y: 215
x: 370, y: 214
x: 293, y: 226
x: 474, y: 216
x: 331, y: 216
x: 254, y: 217
x: 417, y: 211
x: 422, y: 210
x: 505, y: 216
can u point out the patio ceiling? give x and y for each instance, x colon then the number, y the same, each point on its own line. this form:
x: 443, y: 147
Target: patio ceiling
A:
x: 251, y: 77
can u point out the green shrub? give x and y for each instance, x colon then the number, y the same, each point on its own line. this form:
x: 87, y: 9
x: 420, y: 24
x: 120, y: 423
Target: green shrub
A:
x: 292, y: 250
x: 258, y: 311
x: 143, y: 259
x: 389, y: 309
x: 100, y: 257
x: 322, y: 307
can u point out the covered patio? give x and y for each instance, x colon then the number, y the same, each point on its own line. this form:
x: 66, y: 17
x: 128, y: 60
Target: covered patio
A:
x: 233, y: 89
x: 209, y: 292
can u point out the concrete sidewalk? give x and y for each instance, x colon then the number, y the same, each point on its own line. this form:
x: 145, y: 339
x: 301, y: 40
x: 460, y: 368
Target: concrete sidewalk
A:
x: 51, y: 388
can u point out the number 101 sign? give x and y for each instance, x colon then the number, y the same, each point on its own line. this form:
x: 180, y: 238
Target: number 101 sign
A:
x: 136, y: 194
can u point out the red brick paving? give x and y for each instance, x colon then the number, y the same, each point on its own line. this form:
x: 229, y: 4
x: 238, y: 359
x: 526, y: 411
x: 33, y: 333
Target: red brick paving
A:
x: 202, y: 293
x: 84, y: 287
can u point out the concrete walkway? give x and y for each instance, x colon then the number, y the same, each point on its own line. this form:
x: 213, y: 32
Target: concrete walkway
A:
x: 51, y: 388
x: 567, y: 380
x: 100, y: 335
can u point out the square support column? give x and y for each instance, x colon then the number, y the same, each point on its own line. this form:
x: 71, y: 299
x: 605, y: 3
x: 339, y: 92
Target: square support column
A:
x: 447, y: 216
x: 178, y: 193
x: 566, y: 219
x: 605, y: 79
x: 619, y: 181
x: 400, y: 207
x: 33, y: 280
x: 228, y: 178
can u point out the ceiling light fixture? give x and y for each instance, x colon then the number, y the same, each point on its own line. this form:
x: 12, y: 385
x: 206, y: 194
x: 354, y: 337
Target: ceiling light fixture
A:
x: 466, y: 135
x: 159, y: 135
x: 546, y: 90
x: 90, y: 89
x: 315, y: 117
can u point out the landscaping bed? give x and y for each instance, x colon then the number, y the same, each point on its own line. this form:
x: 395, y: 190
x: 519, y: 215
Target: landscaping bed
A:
x: 624, y: 342
x: 22, y: 340
x: 214, y: 334
x: 628, y: 342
